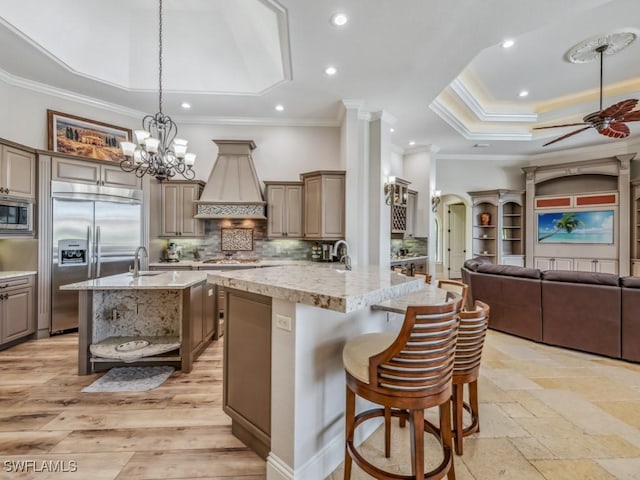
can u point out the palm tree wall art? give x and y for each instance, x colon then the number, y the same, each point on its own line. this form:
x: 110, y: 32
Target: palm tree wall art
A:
x: 576, y: 227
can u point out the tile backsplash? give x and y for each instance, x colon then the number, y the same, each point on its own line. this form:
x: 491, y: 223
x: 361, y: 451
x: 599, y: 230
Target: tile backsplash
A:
x: 415, y: 246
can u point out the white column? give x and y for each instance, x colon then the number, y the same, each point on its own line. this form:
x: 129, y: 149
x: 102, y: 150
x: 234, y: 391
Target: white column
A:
x: 379, y: 167
x: 624, y: 201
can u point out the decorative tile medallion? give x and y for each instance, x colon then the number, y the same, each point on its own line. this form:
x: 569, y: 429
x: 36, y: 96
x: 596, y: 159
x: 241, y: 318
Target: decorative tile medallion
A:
x: 237, y: 239
x: 224, y: 210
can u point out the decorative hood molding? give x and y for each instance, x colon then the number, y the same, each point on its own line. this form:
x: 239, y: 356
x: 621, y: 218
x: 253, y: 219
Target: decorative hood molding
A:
x: 233, y: 189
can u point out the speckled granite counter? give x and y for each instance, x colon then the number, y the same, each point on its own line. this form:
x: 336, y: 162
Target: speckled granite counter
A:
x: 199, y: 264
x: 321, y: 285
x: 428, y: 295
x: 177, y: 280
x: 8, y: 275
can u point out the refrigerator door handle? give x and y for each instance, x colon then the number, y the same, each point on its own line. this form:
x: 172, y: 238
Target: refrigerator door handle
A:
x: 89, y: 260
x: 98, y: 252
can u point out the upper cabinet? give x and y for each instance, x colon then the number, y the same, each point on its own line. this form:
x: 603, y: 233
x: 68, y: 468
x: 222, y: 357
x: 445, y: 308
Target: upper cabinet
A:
x: 17, y: 172
x: 412, y: 208
x: 179, y: 207
x: 324, y: 205
x: 94, y: 173
x: 284, y: 209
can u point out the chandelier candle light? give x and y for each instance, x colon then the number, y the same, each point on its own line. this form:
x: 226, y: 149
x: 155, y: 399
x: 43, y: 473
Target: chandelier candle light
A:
x: 157, y: 151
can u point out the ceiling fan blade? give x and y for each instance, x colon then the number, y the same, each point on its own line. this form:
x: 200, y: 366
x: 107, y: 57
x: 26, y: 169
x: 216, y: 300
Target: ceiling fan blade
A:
x: 630, y: 117
x: 568, y: 135
x: 620, y: 108
x: 564, y: 125
x: 615, y: 130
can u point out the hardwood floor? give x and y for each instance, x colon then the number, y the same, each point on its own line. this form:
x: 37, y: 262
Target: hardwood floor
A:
x: 177, y: 430
x: 546, y: 414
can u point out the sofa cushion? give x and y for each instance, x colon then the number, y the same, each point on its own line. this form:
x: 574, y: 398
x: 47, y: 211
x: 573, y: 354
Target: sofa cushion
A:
x: 473, y: 263
x: 509, y: 270
x: 581, y: 277
x: 630, y: 282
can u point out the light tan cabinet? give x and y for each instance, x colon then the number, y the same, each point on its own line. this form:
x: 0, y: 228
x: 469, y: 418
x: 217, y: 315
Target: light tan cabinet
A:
x: 284, y: 209
x: 94, y: 173
x: 553, y: 263
x: 324, y: 205
x: 598, y: 265
x: 412, y: 208
x: 17, y: 172
x: 16, y: 308
x: 178, y: 209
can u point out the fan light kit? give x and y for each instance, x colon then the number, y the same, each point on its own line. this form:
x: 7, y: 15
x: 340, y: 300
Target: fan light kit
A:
x: 611, y: 121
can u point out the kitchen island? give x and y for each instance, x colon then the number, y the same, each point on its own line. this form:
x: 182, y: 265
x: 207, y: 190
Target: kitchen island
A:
x: 161, y: 318
x: 284, y: 381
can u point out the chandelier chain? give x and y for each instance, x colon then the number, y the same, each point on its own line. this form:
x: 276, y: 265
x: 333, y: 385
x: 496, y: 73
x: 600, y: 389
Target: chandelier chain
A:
x: 160, y: 57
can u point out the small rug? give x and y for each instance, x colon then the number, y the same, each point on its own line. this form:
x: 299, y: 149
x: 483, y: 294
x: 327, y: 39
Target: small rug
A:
x: 130, y: 379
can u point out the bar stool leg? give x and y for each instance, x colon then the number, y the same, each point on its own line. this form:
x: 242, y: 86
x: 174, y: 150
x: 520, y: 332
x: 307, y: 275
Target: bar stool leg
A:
x: 416, y: 424
x: 387, y: 432
x: 473, y: 401
x: 350, y: 415
x: 445, y: 432
x: 457, y: 397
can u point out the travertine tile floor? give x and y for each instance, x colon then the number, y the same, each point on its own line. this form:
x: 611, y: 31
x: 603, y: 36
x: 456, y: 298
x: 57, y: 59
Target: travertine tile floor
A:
x: 546, y: 413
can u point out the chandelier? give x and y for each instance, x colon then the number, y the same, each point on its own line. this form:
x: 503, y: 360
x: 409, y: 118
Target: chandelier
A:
x: 157, y: 151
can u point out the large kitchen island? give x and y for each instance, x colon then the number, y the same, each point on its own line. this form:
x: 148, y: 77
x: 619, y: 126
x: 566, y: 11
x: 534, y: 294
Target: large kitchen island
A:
x: 155, y: 318
x: 284, y: 381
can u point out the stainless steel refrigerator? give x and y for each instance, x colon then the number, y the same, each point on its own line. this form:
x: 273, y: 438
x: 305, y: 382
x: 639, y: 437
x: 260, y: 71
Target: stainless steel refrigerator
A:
x: 95, y: 232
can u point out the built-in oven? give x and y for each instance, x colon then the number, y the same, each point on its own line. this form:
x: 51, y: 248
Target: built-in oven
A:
x: 16, y: 217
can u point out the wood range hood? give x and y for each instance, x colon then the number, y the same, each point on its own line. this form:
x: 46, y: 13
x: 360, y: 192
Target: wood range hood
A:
x: 233, y: 189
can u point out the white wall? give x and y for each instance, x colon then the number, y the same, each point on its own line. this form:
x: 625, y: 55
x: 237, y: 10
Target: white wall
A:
x: 461, y: 176
x: 281, y: 154
x: 396, y: 168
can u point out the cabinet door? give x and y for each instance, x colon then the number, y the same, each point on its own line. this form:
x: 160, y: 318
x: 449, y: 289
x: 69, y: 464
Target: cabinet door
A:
x: 197, y: 316
x: 333, y: 206
x: 170, y: 209
x: 276, y: 197
x: 209, y: 299
x: 584, y: 264
x: 313, y: 207
x: 543, y: 263
x: 17, y: 314
x: 293, y: 211
x: 191, y: 227
x: 114, y: 176
x: 411, y: 215
x: 75, y: 171
x: 18, y: 173
x: 607, y: 266
x: 563, y: 264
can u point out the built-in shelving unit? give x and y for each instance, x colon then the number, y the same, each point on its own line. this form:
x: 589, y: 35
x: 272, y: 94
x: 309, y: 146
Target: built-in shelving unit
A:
x: 498, y: 236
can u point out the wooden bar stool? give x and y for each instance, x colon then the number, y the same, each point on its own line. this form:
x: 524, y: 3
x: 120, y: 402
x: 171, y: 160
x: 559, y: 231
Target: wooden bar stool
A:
x: 455, y: 287
x: 471, y: 335
x: 404, y: 373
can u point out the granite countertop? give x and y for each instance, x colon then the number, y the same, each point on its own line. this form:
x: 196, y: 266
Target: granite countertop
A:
x: 177, y: 280
x: 428, y: 295
x: 407, y: 258
x: 322, y: 285
x: 209, y: 265
x: 16, y: 273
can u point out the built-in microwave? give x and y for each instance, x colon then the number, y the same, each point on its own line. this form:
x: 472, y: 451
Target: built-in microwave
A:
x: 16, y: 217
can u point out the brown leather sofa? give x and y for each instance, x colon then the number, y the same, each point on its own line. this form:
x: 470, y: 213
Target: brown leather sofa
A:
x: 593, y: 312
x: 581, y: 310
x: 630, y: 318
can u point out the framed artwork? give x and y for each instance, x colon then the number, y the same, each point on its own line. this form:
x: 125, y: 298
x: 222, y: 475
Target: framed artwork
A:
x: 576, y: 227
x: 86, y: 138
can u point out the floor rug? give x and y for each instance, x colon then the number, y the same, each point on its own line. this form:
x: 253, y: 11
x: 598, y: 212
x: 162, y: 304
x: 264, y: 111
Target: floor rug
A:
x: 130, y: 379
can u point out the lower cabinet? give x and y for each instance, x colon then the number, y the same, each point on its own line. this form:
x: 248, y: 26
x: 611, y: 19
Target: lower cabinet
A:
x: 635, y: 268
x: 598, y: 265
x: 16, y: 308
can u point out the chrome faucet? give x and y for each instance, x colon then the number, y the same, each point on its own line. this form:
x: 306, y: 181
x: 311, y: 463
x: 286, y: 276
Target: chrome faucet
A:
x: 346, y: 259
x: 136, y: 260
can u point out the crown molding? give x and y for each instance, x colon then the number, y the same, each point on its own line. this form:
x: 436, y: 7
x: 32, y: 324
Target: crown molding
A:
x: 257, y: 121
x: 483, y: 157
x: 442, y: 110
x: 488, y: 112
x: 385, y: 116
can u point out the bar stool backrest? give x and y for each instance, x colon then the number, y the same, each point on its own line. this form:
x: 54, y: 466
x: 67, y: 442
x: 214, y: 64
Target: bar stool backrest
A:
x: 471, y: 335
x: 455, y: 287
x: 420, y: 361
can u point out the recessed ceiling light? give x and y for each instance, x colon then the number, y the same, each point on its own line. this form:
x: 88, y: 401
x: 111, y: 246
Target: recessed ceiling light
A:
x: 412, y: 142
x: 331, y: 70
x: 481, y: 145
x: 339, y: 19
x: 523, y: 93
x: 279, y: 108
x: 392, y: 130
x: 508, y: 43
x: 185, y: 105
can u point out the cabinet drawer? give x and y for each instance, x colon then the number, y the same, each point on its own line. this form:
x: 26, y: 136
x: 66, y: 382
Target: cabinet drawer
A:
x: 16, y: 282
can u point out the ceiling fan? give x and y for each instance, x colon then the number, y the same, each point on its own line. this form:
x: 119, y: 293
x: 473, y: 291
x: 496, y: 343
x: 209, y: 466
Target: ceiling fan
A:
x: 610, y: 121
